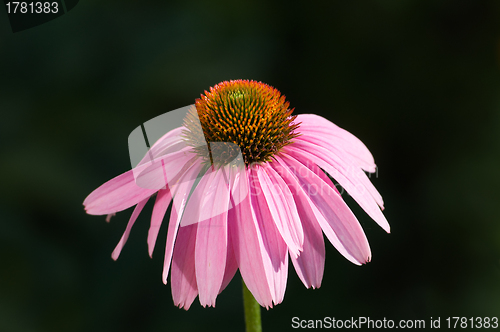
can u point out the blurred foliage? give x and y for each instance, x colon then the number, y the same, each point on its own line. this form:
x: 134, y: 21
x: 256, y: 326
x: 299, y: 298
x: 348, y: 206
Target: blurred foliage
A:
x: 417, y: 81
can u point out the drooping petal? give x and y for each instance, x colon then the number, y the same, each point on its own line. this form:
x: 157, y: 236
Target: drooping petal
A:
x: 117, y: 194
x: 201, y: 204
x: 329, y: 143
x: 310, y: 265
x: 184, y: 289
x: 142, y: 155
x: 160, y: 208
x: 342, y: 163
x: 311, y: 262
x: 316, y: 126
x: 165, y: 144
x: 181, y: 194
x: 247, y: 241
x: 131, y: 222
x: 231, y: 263
x: 356, y: 184
x: 337, y: 214
x: 164, y: 170
x: 131, y: 187
x: 275, y: 196
x: 275, y: 255
x: 211, y: 239
x: 194, y: 208
x: 302, y: 192
x: 319, y: 172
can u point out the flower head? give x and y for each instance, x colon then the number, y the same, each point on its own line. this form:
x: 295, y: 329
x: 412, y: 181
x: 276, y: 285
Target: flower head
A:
x: 252, y: 115
x: 248, y: 189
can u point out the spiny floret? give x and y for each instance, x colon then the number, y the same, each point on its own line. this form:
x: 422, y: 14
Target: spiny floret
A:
x: 252, y: 115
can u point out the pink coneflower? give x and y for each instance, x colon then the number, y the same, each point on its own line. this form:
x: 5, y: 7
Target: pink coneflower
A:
x: 249, y: 207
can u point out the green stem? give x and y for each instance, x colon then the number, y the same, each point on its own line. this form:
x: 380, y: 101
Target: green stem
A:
x: 252, y: 311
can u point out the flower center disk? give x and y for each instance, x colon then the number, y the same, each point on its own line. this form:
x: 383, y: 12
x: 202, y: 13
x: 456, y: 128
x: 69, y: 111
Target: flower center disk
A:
x: 250, y: 115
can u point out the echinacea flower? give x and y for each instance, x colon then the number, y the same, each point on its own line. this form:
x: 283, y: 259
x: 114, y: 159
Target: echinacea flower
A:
x: 249, y: 189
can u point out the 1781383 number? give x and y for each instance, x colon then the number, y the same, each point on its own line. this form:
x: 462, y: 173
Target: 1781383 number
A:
x: 473, y: 322
x: 32, y: 7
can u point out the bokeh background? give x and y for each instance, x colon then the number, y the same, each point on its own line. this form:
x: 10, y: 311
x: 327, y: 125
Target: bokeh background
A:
x: 417, y: 81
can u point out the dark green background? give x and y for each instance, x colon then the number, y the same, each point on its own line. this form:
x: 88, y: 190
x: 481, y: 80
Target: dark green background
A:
x: 417, y: 81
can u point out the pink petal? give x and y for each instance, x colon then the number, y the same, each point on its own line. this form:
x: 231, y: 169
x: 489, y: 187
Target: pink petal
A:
x: 273, y: 195
x: 337, y: 214
x: 302, y: 192
x: 163, y: 145
x: 194, y: 209
x: 215, y: 200
x: 328, y: 143
x: 116, y: 195
x: 170, y: 142
x: 352, y: 179
x: 319, y: 172
x: 123, y: 192
x: 247, y: 241
x: 311, y: 262
x: 314, y: 125
x: 211, y: 241
x: 165, y: 170
x: 184, y: 289
x: 231, y: 264
x: 131, y: 222
x: 160, y: 208
x: 344, y: 164
x: 201, y: 204
x: 181, y: 194
x: 275, y: 254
